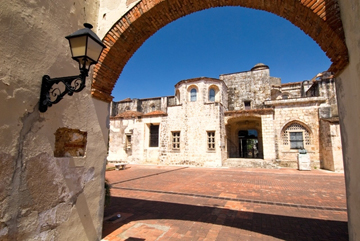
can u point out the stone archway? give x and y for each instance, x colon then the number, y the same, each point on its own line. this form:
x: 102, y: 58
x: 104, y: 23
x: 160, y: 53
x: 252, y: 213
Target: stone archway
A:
x: 319, y: 19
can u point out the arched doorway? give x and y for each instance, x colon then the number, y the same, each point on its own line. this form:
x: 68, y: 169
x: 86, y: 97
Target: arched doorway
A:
x: 244, y: 137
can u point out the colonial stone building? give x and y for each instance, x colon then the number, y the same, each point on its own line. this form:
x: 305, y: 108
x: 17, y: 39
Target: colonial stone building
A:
x: 246, y: 119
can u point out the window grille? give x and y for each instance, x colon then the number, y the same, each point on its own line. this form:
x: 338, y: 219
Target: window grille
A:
x: 154, y: 136
x: 211, y: 140
x: 176, y: 140
x: 296, y: 128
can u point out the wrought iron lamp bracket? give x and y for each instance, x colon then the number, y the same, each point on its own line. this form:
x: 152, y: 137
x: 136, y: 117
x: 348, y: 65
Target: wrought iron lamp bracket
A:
x: 51, y: 94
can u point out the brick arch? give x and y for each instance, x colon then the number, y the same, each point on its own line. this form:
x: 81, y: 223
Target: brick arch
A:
x: 320, y: 19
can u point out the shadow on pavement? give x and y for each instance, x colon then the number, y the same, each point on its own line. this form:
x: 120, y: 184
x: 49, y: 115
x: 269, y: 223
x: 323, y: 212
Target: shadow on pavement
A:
x: 277, y: 226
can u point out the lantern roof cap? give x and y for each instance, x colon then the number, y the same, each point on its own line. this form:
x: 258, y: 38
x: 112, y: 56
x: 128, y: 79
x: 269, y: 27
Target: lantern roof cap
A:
x: 86, y: 31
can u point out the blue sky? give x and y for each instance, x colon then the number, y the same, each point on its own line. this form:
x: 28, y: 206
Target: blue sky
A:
x: 219, y: 41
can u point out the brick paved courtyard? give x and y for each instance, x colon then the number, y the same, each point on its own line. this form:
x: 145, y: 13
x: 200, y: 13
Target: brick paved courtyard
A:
x: 185, y: 203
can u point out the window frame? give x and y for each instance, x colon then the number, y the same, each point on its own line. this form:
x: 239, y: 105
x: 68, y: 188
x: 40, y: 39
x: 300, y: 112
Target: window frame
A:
x: 175, y: 140
x: 296, y: 127
x: 210, y: 140
x: 127, y: 141
x: 154, y: 137
x: 193, y: 95
x: 293, y: 140
x: 212, y: 98
x: 247, y: 104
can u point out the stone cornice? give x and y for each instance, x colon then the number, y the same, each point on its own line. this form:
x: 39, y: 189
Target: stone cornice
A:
x: 295, y: 101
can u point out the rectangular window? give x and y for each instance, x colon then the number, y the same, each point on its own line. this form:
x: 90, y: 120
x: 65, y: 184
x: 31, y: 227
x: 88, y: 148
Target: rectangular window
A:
x: 128, y: 141
x: 176, y: 140
x: 247, y: 105
x: 296, y: 140
x: 154, y: 136
x: 211, y: 140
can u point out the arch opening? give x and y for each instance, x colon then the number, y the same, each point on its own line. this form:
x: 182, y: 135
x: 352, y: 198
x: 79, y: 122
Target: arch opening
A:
x: 321, y: 21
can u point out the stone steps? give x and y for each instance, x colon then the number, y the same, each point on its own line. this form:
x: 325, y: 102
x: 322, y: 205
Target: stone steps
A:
x: 249, y: 163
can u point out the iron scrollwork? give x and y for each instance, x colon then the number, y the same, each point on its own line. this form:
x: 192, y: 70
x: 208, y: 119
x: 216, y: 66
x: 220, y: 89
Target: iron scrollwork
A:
x: 51, y: 95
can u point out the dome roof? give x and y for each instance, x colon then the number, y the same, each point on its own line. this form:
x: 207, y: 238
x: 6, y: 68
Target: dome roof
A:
x: 259, y: 66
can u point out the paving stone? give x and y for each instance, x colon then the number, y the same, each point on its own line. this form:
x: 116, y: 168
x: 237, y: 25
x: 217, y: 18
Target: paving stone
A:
x: 225, y: 204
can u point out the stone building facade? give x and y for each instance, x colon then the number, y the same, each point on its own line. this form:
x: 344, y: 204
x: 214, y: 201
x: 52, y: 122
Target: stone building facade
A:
x: 246, y: 119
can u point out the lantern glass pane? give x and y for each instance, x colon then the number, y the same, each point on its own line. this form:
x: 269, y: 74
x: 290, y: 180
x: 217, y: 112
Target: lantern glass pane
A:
x: 78, y: 46
x: 94, y: 50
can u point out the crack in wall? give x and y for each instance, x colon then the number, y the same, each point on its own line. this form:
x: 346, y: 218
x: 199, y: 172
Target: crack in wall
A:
x: 28, y: 120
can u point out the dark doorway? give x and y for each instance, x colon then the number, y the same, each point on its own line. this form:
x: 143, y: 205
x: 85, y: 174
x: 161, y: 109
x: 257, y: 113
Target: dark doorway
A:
x: 248, y: 144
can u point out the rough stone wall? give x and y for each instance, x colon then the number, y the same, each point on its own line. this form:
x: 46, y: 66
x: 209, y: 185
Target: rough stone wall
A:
x: 290, y: 91
x: 330, y: 146
x: 254, y: 86
x: 328, y: 89
x: 192, y: 119
x: 137, y: 128
x: 268, y: 135
x: 141, y: 105
x: 302, y: 113
x: 43, y: 197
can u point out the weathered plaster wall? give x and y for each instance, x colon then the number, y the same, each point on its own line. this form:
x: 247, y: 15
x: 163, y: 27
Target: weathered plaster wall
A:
x: 348, y: 93
x: 43, y: 197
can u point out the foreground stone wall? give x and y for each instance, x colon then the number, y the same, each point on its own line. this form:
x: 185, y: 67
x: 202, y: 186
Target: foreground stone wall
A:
x: 43, y: 197
x: 348, y: 88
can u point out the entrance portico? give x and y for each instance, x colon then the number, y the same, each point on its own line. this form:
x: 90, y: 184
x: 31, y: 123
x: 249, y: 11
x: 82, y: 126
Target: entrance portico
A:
x: 250, y: 134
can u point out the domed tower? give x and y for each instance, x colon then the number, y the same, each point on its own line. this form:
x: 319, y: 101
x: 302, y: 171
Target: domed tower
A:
x: 259, y: 66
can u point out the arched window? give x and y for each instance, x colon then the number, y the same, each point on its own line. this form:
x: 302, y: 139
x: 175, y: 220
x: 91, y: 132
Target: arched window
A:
x: 211, y: 95
x: 177, y: 97
x: 296, y: 136
x: 193, y: 95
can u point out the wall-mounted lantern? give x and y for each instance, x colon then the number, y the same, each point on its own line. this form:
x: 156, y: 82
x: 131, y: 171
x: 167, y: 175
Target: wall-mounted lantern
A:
x: 86, y: 48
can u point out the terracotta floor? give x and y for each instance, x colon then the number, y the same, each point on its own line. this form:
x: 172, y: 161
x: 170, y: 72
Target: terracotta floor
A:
x: 182, y: 203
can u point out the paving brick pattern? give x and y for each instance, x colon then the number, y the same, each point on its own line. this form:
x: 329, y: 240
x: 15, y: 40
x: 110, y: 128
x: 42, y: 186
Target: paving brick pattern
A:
x: 182, y: 203
x: 320, y: 19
